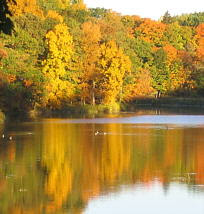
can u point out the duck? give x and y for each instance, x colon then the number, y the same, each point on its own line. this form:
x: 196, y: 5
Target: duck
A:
x: 7, y: 137
x: 96, y: 132
x: 101, y: 133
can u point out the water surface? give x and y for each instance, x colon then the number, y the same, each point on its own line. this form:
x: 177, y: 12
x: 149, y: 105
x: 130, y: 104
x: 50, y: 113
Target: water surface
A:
x: 127, y: 163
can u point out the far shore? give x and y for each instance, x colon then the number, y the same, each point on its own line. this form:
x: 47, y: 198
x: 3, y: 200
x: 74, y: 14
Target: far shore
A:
x: 170, y: 102
x: 174, y: 104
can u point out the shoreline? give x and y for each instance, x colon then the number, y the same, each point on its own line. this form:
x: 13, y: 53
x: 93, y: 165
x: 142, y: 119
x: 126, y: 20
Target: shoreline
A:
x: 163, y: 104
x: 168, y: 102
x: 185, y: 104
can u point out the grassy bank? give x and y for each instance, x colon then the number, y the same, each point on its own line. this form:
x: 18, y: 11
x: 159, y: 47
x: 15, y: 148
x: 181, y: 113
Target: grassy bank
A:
x: 100, y: 110
x: 76, y: 110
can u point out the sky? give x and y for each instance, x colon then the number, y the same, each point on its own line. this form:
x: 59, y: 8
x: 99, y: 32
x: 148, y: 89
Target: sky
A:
x: 153, y: 9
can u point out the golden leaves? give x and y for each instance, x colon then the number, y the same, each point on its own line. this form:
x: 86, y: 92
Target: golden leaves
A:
x: 56, y: 67
x: 113, y: 66
x: 54, y: 15
x: 19, y: 7
x: 91, y: 36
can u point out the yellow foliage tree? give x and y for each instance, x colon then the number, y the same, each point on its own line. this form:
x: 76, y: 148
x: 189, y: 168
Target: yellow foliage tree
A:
x: 64, y: 3
x: 19, y: 7
x: 74, y: 4
x: 113, y: 65
x: 78, y: 5
x: 54, y: 15
x: 57, y: 67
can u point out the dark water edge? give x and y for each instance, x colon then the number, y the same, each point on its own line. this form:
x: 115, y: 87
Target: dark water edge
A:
x: 170, y: 102
x: 141, y: 106
x: 148, y: 105
x: 167, y: 104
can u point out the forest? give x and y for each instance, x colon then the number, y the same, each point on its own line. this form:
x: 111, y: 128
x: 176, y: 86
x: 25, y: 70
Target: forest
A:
x: 59, y: 53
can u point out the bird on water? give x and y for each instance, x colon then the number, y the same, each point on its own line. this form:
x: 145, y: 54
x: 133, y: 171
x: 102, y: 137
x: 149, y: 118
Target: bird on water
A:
x: 100, y: 133
x: 7, y: 137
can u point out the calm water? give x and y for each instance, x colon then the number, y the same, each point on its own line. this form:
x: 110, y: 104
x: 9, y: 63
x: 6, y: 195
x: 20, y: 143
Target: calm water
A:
x: 125, y: 163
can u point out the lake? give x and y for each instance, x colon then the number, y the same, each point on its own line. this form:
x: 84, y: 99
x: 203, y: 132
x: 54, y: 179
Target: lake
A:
x: 141, y: 162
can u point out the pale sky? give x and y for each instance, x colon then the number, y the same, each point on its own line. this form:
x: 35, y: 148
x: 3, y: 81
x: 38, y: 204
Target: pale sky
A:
x: 149, y: 8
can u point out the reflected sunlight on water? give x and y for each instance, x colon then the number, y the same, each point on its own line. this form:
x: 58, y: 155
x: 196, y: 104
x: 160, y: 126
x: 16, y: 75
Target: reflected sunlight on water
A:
x: 63, y: 166
x: 180, y: 120
x: 154, y: 199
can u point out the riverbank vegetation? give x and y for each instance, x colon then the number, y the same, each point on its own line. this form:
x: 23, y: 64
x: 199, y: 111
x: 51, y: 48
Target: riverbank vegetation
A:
x: 58, y: 54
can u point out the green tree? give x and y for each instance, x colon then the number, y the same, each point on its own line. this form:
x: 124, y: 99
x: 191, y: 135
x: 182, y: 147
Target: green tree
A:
x: 160, y: 72
x: 166, y: 18
x: 178, y: 36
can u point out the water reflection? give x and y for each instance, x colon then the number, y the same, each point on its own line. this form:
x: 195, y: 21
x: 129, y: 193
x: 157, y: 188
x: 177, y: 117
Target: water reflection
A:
x: 62, y: 167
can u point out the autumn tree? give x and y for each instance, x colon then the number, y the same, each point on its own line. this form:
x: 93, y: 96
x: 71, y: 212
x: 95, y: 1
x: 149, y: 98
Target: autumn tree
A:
x: 151, y: 31
x: 19, y: 7
x: 113, y: 65
x: 200, y: 42
x: 138, y: 85
x: 52, y: 14
x: 112, y: 27
x: 90, y: 45
x: 199, y: 65
x: 130, y: 23
x: 57, y: 67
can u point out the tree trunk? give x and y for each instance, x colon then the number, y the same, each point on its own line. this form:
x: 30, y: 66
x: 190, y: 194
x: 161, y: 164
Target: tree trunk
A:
x: 93, y: 94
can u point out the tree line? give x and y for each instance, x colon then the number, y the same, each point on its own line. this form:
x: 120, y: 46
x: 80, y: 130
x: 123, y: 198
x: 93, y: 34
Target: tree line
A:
x: 56, y: 53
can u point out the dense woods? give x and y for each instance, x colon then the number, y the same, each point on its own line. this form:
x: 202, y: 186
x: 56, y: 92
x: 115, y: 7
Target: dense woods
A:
x: 59, y: 53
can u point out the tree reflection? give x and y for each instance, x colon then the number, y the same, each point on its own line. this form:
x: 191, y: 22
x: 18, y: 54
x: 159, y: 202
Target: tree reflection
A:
x: 56, y: 160
x: 65, y: 165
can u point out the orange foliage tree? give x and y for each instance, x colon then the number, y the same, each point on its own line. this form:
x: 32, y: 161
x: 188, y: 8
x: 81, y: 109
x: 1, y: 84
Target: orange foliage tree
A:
x: 200, y: 42
x: 151, y: 31
x: 141, y: 85
x: 90, y: 45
